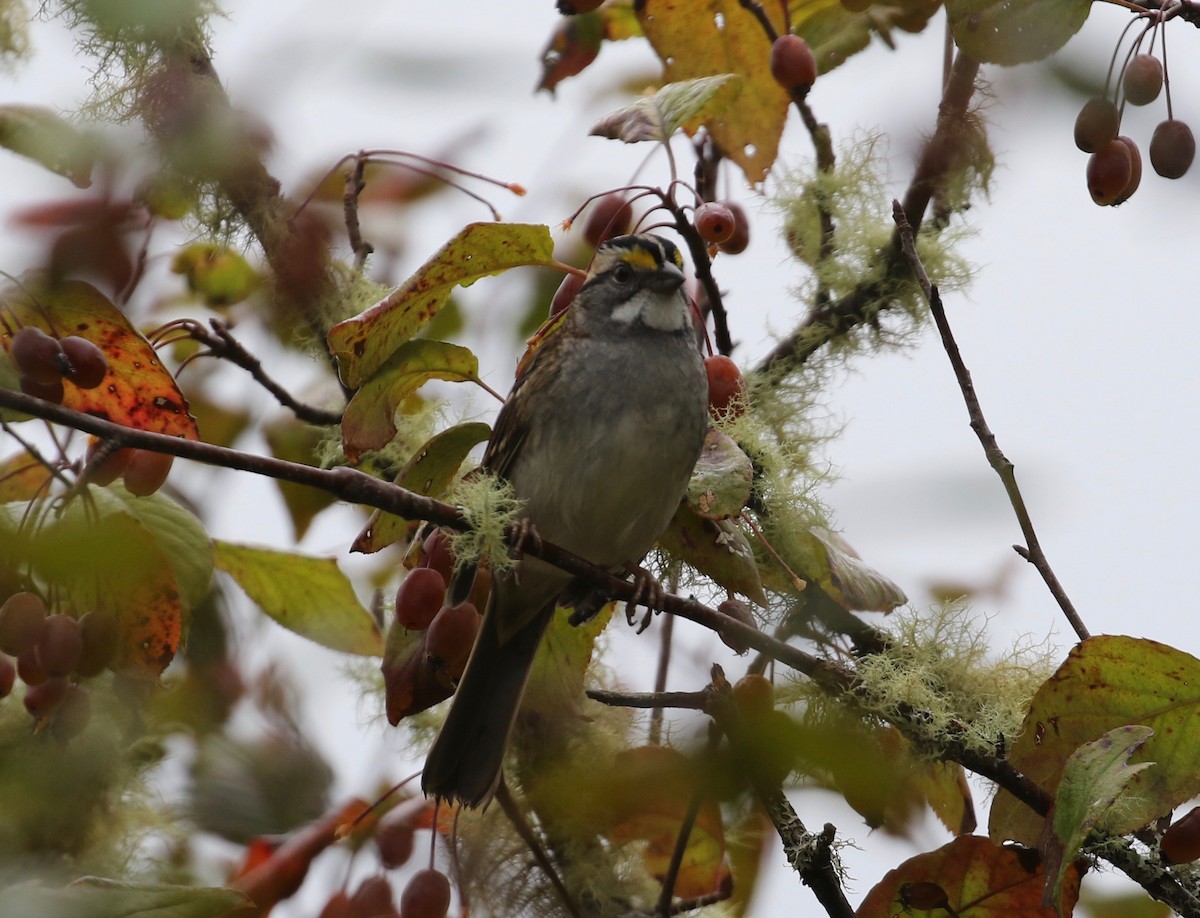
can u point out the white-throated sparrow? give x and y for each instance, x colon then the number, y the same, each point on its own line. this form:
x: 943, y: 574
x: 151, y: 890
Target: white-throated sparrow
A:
x: 598, y: 438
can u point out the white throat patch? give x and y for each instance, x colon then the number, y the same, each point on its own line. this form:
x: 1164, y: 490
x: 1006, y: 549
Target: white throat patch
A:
x: 660, y: 311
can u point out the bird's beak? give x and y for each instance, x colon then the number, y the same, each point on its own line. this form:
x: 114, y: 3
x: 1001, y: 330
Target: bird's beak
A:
x: 667, y: 279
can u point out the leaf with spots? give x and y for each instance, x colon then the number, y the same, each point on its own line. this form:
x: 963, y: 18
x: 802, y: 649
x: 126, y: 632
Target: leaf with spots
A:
x: 717, y: 549
x: 1108, y: 682
x: 430, y: 471
x: 364, y: 343
x: 972, y: 878
x: 100, y: 557
x: 138, y: 391
x: 720, y: 484
x: 369, y: 421
x: 705, y: 38
x: 309, y: 596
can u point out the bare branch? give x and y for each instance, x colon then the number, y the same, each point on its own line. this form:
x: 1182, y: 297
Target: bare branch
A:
x: 1032, y: 552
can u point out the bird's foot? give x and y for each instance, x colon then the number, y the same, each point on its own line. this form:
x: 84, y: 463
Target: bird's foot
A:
x: 647, y: 592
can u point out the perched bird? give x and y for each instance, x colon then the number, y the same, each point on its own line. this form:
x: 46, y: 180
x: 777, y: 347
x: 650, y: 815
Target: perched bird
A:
x: 598, y: 437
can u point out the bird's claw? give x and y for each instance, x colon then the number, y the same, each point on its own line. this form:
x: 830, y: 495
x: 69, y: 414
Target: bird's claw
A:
x: 647, y: 592
x: 523, y: 535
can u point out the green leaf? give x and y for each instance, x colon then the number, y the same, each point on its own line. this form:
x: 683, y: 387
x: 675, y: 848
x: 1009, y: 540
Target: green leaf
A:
x: 95, y: 898
x: 659, y: 116
x: 364, y: 343
x: 41, y: 135
x: 369, y: 421
x: 556, y: 680
x: 429, y: 472
x: 1094, y: 779
x: 720, y: 484
x: 1015, y: 31
x: 307, y: 595
x: 1105, y: 683
x: 179, y: 534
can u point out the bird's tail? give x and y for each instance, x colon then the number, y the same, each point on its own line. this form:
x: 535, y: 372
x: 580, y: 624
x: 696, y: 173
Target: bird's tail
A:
x: 465, y: 761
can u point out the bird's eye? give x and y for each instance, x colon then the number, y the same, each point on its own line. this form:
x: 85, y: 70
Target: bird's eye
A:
x: 622, y: 273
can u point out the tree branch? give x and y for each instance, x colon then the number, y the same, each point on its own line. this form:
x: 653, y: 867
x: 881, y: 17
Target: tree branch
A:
x: 1032, y: 552
x: 829, y: 321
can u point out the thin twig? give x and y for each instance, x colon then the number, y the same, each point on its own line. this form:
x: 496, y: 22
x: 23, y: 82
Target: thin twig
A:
x: 221, y: 343
x: 1032, y: 550
x: 681, y: 840
x: 505, y: 798
x: 664, y: 665
x: 355, y: 183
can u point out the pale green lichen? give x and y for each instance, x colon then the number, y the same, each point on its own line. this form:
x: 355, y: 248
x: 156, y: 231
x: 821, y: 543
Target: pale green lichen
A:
x: 490, y: 507
x: 940, y: 677
x: 854, y: 197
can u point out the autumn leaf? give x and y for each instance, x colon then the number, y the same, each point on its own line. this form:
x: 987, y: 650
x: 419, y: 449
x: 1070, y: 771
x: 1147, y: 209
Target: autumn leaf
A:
x: 101, y: 557
x: 364, y: 343
x: 717, y: 549
x: 309, y: 596
x: 973, y: 879
x: 705, y: 38
x: 1108, y: 682
x: 138, y: 391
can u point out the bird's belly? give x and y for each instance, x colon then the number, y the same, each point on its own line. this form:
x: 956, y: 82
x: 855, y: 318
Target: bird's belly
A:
x: 627, y: 475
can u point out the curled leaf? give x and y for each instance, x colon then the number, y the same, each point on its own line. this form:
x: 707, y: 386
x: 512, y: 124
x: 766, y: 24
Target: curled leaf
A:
x: 369, y: 421
x: 430, y: 472
x: 659, y: 116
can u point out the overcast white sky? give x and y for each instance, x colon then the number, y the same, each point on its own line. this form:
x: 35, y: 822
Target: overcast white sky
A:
x: 1080, y: 329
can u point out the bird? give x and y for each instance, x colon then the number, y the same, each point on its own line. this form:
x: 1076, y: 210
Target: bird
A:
x: 598, y: 438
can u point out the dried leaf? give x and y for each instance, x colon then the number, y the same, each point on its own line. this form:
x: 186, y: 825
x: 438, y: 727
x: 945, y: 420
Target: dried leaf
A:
x: 704, y: 38
x: 978, y: 879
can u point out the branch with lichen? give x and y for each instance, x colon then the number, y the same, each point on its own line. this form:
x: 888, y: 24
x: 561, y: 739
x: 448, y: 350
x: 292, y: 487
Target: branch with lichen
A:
x: 831, y: 321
